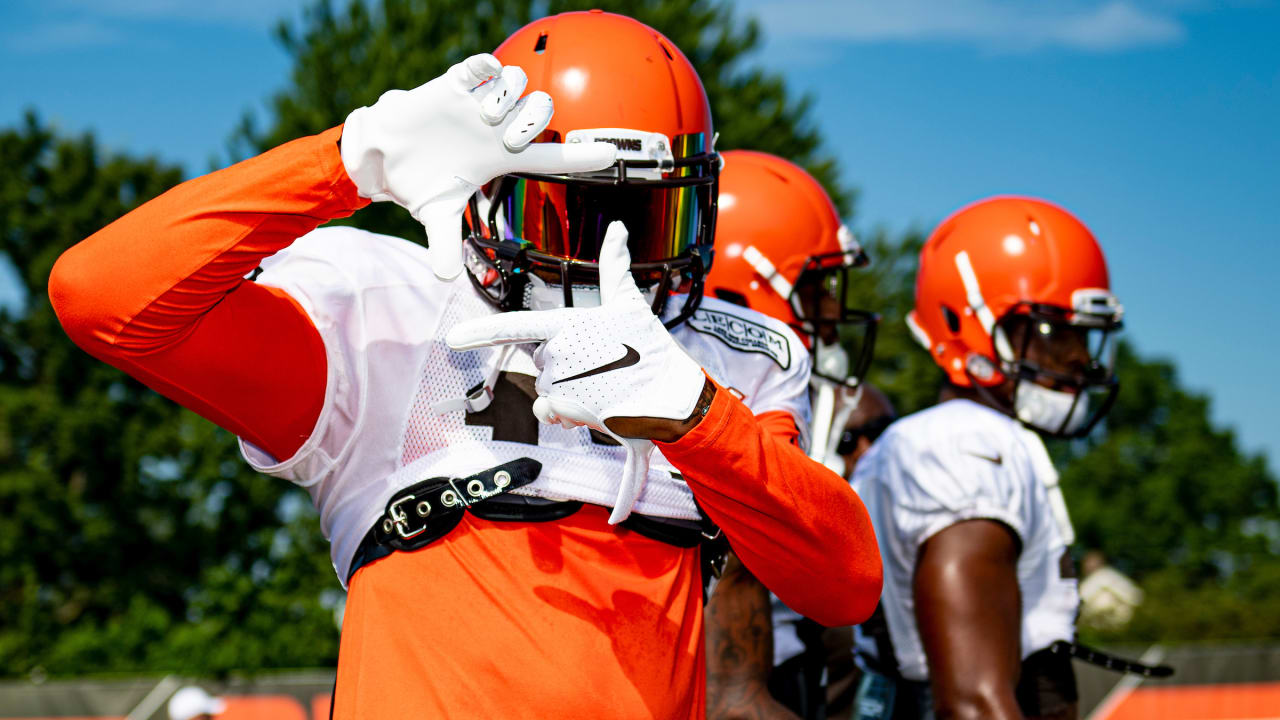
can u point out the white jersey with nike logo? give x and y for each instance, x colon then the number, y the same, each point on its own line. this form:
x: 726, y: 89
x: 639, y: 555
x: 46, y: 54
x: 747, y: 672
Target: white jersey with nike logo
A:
x: 393, y: 413
x: 961, y: 461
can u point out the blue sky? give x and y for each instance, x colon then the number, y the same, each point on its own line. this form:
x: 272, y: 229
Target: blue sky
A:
x: 1156, y: 121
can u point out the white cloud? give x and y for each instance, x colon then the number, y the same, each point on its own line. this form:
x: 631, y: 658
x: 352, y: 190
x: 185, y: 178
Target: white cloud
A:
x: 58, y: 36
x: 57, y: 25
x: 1117, y: 26
x: 999, y: 25
x: 254, y: 13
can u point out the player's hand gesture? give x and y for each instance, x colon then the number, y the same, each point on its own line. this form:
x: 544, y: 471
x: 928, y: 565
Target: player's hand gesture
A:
x: 430, y: 148
x: 614, y: 362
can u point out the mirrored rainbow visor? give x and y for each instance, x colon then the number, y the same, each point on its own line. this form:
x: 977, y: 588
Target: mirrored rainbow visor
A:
x: 668, y: 207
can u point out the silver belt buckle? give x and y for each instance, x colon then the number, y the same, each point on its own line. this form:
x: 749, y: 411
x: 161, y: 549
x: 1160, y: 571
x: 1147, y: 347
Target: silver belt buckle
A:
x: 400, y: 519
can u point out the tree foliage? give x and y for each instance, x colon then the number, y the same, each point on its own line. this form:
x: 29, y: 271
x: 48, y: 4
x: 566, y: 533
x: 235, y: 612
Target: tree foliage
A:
x: 132, y: 536
x: 1172, y: 500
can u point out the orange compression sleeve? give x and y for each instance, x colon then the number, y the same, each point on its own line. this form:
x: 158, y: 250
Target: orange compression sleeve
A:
x: 160, y: 293
x: 796, y: 525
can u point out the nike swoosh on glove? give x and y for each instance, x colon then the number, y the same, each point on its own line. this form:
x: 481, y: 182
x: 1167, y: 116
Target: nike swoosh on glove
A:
x: 612, y: 361
x: 429, y: 149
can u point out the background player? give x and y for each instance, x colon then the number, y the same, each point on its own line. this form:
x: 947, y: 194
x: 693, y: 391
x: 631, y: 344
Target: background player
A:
x: 1013, y: 302
x: 781, y: 249
x: 496, y: 566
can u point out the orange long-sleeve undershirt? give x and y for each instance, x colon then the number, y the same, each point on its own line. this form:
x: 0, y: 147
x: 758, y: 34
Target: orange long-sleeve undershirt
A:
x: 795, y: 524
x: 161, y: 294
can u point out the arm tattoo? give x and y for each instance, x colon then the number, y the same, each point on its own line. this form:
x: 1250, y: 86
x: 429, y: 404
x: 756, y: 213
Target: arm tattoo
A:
x: 739, y: 633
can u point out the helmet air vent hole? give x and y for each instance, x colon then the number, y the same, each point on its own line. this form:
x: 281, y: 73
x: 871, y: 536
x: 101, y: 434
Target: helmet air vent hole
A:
x: 541, y: 46
x: 730, y: 296
x: 953, y: 320
x: 666, y: 51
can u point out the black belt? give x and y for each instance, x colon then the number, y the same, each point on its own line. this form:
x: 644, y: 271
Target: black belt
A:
x: 426, y: 511
x: 1108, y: 661
x: 429, y: 510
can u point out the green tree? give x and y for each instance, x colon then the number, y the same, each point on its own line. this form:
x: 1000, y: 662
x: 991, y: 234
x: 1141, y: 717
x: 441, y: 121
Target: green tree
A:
x: 132, y: 537
x: 1172, y: 500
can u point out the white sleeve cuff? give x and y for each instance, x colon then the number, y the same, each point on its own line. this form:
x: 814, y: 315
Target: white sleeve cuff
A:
x: 976, y: 512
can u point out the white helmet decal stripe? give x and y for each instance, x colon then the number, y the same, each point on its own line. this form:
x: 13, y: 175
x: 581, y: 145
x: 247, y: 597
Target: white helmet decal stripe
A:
x: 973, y: 293
x: 918, y: 332
x: 766, y: 270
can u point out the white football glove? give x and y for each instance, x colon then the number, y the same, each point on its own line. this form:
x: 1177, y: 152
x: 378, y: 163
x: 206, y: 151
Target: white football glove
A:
x: 615, y: 360
x: 429, y: 149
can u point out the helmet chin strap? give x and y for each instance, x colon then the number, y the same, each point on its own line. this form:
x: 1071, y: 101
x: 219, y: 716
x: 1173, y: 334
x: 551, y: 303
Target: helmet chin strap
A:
x: 832, y: 403
x: 479, y: 397
x: 828, y: 402
x: 846, y: 402
x: 989, y: 397
x: 541, y: 295
x: 824, y: 408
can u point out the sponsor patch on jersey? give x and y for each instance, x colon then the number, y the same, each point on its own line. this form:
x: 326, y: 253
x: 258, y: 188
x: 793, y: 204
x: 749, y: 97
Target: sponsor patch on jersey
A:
x: 743, y: 335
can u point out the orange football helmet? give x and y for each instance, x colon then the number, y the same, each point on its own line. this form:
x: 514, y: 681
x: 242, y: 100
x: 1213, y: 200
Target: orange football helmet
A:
x: 616, y: 80
x: 1014, y: 288
x: 782, y: 250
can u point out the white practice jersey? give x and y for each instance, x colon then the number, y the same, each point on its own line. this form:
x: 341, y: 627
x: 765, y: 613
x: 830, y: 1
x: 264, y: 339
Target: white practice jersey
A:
x: 962, y: 461
x: 386, y: 422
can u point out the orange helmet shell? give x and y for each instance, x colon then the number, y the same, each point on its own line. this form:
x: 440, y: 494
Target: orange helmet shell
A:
x: 612, y: 79
x: 1019, y: 251
x: 781, y: 211
x: 610, y: 71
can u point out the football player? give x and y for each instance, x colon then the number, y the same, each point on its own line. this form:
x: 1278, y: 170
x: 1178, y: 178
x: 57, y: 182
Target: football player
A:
x: 781, y: 249
x: 1013, y: 302
x: 496, y: 566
